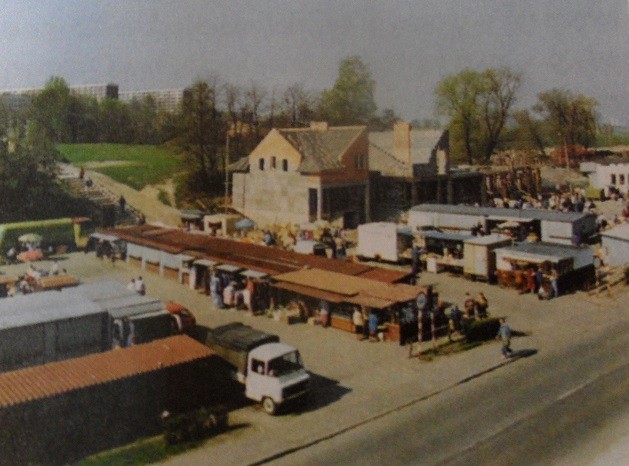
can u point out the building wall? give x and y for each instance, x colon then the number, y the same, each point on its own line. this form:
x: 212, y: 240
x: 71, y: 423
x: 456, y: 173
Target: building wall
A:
x: 618, y: 250
x: 615, y: 174
x: 275, y: 197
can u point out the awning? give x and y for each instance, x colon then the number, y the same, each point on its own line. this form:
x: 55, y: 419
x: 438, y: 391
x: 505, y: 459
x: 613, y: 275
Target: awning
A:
x: 507, y: 218
x: 205, y: 262
x: 312, y: 292
x: 370, y: 301
x: 229, y: 268
x: 6, y: 279
x: 254, y: 274
x: 104, y: 237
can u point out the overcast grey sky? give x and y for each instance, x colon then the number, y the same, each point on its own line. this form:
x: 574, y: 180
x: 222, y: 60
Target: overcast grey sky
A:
x: 581, y: 45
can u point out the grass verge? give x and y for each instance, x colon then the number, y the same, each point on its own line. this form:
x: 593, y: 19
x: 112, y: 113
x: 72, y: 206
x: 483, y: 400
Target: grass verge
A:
x: 145, y: 165
x: 147, y: 451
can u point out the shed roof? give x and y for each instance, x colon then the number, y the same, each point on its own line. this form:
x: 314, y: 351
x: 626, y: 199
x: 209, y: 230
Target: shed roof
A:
x: 246, y: 255
x: 45, y: 306
x: 73, y: 374
x: 541, y: 251
x: 620, y: 232
x: 502, y: 213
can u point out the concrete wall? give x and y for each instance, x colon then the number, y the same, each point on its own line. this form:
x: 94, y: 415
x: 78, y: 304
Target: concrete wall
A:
x: 277, y: 197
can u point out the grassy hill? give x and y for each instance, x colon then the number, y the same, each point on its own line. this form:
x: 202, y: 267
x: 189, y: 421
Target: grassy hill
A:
x: 133, y: 165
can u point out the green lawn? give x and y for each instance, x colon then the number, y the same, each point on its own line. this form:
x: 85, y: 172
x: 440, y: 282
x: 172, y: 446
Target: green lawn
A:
x: 143, y: 165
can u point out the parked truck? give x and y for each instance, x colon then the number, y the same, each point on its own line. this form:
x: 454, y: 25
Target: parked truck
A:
x: 272, y: 372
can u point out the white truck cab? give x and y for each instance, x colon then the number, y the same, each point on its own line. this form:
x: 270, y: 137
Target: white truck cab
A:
x: 275, y: 375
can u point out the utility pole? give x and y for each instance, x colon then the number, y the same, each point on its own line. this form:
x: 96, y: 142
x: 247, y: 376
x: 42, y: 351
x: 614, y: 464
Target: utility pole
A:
x: 226, y: 172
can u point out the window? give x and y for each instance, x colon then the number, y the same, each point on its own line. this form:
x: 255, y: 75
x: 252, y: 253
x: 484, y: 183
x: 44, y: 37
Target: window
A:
x: 261, y: 164
x: 622, y: 179
x: 613, y: 179
x: 257, y: 366
x: 285, y: 165
x: 273, y: 162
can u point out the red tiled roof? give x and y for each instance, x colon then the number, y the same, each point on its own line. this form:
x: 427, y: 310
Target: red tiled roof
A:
x: 51, y: 379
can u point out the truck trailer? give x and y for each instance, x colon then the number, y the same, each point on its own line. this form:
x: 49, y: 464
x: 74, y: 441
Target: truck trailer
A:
x: 272, y: 372
x: 51, y: 326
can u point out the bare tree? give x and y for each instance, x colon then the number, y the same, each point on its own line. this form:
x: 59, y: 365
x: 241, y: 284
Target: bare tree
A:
x: 254, y: 97
x: 500, y: 87
x: 297, y: 104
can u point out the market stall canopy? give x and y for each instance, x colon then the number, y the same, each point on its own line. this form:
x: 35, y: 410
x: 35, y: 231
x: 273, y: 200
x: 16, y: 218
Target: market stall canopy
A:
x: 229, y: 268
x: 205, y: 262
x: 104, y: 237
x: 254, y: 274
x: 244, y: 224
x: 30, y: 238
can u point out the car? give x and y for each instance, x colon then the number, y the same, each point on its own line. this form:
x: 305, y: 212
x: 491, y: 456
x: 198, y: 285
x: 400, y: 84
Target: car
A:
x: 183, y: 318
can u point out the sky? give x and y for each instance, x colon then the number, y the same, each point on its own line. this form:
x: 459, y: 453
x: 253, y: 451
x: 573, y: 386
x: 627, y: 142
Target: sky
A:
x: 409, y: 45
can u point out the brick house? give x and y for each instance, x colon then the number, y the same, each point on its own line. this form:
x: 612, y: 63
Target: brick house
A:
x: 301, y: 175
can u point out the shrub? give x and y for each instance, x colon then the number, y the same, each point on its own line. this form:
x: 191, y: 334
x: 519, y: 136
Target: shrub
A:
x: 482, y: 330
x: 194, y: 425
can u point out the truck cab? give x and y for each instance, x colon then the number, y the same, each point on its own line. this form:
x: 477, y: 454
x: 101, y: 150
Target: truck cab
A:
x: 276, y: 375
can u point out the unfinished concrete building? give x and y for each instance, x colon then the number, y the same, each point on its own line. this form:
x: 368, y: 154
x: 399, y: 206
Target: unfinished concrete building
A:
x: 302, y: 175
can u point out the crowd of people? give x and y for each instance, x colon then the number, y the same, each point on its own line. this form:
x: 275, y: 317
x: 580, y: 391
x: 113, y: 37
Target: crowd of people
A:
x: 228, y: 291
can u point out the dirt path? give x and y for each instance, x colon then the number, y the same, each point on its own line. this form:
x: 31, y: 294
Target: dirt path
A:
x: 144, y: 201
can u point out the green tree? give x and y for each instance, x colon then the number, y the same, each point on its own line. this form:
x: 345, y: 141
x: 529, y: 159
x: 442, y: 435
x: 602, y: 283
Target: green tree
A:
x: 571, y: 118
x: 55, y: 110
x: 351, y: 100
x: 458, y: 99
x: 478, y: 105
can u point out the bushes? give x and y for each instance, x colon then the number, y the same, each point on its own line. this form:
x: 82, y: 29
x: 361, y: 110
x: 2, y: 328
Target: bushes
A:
x: 481, y: 330
x: 194, y: 425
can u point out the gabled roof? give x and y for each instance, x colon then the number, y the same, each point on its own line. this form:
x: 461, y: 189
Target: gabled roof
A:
x: 382, y: 151
x: 321, y: 149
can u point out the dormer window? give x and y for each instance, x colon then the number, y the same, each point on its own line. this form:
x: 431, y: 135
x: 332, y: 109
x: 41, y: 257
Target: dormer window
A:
x: 273, y: 162
x: 285, y: 165
x: 261, y: 164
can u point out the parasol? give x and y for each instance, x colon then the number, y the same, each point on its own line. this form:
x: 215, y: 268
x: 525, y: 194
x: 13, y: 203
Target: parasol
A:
x: 30, y: 238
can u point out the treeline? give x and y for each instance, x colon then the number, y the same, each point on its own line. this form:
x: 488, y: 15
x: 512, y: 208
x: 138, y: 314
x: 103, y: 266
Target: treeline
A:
x: 480, y: 106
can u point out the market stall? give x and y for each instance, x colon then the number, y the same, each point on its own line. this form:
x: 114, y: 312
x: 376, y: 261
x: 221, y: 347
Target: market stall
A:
x: 574, y: 266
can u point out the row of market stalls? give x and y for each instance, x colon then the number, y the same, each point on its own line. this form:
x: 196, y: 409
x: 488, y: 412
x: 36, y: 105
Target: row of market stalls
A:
x: 498, y: 258
x: 522, y: 224
x: 293, y: 278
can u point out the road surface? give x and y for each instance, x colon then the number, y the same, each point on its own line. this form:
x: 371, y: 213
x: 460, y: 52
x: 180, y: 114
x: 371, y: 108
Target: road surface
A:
x: 546, y: 409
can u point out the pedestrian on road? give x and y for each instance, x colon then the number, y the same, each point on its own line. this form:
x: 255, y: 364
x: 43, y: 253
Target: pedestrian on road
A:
x: 504, y: 334
x: 554, y: 279
x: 373, y: 327
x: 140, y: 287
x: 123, y: 203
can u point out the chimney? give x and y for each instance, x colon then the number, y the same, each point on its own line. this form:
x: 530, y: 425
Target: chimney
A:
x: 402, y: 141
x: 319, y: 125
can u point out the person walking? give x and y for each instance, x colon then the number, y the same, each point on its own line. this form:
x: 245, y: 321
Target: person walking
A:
x: 140, y: 287
x: 554, y: 282
x: 504, y: 334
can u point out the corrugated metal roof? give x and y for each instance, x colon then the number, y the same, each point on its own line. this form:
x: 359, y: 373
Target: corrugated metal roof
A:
x: 549, y: 250
x: 246, y: 255
x: 618, y: 232
x: 45, y: 306
x: 444, y: 236
x: 537, y: 214
x: 52, y: 379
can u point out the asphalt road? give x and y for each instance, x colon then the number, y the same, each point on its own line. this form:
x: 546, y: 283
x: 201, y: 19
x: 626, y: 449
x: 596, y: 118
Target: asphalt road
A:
x: 548, y: 409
